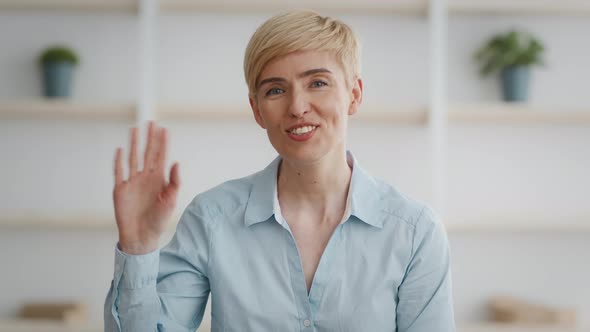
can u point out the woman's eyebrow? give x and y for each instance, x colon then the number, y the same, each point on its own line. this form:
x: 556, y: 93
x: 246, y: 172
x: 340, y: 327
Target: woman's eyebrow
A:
x: 304, y: 74
x: 271, y: 80
x: 314, y: 71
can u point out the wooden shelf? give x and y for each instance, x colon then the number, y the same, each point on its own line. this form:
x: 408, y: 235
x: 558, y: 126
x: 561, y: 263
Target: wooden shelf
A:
x: 26, y: 325
x: 402, y: 7
x: 499, y: 327
x: 66, y: 110
x: 73, y: 110
x: 519, y: 225
x: 399, y: 115
x: 186, y: 112
x: 407, y: 115
x: 88, y: 222
x: 504, y: 113
x: 83, y: 222
x: 75, y: 5
x: 50, y: 326
x: 38, y: 222
x: 500, y: 113
x: 520, y: 7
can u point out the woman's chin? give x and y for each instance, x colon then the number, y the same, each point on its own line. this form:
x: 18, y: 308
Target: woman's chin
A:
x: 302, y: 154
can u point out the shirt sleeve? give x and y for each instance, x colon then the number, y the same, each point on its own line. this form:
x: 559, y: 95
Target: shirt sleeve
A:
x: 425, y: 300
x: 165, y: 290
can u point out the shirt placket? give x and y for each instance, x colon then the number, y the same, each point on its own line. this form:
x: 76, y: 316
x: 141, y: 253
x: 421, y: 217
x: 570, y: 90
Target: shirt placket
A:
x: 308, y: 306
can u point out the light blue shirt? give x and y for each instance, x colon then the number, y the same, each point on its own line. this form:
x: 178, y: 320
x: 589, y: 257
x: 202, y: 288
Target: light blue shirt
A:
x: 386, y: 267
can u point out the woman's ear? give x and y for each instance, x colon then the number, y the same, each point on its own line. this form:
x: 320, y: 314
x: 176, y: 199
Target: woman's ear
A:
x: 357, y: 96
x: 256, y: 112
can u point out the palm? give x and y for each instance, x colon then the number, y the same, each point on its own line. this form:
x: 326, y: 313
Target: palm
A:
x: 145, y: 201
x: 138, y: 200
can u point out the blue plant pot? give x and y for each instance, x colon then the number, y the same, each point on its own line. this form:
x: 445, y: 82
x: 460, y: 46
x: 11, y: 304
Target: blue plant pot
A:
x: 515, y: 83
x: 57, y: 79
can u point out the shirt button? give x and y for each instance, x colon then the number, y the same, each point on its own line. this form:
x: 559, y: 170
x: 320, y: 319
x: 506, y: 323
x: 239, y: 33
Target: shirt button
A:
x: 307, y: 323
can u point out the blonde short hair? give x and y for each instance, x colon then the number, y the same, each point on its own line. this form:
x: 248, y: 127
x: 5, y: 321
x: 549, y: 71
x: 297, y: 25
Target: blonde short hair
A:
x: 300, y: 30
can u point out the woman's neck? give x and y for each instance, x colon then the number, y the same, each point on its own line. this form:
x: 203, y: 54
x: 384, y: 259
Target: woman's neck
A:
x: 319, y: 188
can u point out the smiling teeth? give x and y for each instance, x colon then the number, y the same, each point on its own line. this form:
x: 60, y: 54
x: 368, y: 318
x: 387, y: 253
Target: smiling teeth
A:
x: 302, y: 130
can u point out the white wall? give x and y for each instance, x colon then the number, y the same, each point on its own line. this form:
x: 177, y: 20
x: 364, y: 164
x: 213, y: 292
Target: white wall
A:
x: 106, y: 42
x: 65, y: 167
x: 549, y: 269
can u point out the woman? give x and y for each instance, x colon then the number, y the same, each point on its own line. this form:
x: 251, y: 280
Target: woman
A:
x: 310, y: 243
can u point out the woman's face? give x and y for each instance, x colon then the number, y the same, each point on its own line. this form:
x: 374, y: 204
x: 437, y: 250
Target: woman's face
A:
x: 303, y: 102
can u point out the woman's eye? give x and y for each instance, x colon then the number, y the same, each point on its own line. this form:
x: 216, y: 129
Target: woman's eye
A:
x: 318, y: 84
x: 274, y: 91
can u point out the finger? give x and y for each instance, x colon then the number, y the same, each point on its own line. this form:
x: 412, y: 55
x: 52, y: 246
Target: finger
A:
x: 148, y: 154
x: 160, y: 162
x: 152, y: 160
x: 175, y: 176
x: 171, y: 190
x: 118, y: 167
x: 133, y: 153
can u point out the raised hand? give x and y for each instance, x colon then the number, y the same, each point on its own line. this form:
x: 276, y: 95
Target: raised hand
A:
x: 145, y: 201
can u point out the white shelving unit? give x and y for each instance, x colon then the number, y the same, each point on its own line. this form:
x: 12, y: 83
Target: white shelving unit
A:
x: 436, y: 116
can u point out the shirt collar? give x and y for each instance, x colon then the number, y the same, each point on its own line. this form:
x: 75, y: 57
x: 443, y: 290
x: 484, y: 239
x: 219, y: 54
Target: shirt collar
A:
x: 363, y: 199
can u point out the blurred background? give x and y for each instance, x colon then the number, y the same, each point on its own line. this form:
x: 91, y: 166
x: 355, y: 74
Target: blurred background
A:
x: 503, y: 158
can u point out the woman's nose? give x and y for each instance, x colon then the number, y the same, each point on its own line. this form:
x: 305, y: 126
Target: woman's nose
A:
x: 298, y: 105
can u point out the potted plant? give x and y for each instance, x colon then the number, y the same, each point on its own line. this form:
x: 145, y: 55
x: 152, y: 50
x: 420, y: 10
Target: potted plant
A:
x: 57, y: 64
x: 512, y: 54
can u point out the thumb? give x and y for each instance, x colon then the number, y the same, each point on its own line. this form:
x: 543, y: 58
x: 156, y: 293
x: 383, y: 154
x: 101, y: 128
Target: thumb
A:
x: 171, y: 190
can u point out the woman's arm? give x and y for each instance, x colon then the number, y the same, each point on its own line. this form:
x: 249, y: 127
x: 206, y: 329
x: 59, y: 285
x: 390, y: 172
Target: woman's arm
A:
x: 155, y: 290
x: 425, y: 294
x: 165, y: 290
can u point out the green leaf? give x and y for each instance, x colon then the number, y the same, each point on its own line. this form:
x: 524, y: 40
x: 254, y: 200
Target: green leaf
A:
x: 514, y: 47
x: 58, y: 54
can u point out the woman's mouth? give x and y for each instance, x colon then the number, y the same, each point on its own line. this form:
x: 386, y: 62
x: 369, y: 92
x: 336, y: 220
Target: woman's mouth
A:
x: 301, y: 134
